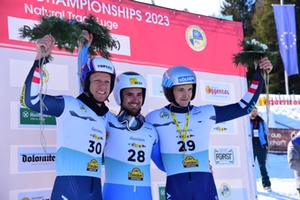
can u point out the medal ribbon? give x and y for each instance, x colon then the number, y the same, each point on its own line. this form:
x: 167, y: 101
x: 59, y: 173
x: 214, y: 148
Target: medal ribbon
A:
x: 182, y: 136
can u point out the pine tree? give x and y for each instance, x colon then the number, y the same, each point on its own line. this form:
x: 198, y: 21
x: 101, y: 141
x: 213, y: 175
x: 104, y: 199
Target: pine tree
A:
x: 241, y: 11
x: 265, y: 30
x: 259, y: 23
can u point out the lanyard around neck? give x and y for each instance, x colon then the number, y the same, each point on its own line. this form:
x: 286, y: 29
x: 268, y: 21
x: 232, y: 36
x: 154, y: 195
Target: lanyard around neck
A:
x: 182, y: 135
x: 254, y: 123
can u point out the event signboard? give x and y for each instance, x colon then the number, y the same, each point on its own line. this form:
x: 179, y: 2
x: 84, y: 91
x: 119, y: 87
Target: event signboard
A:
x: 150, y: 40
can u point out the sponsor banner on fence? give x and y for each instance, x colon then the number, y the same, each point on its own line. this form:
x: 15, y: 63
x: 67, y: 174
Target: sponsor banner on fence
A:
x: 279, y: 139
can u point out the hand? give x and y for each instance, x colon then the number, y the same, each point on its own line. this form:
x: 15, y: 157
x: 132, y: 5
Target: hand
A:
x: 265, y: 64
x: 89, y: 37
x: 265, y: 146
x: 46, y: 43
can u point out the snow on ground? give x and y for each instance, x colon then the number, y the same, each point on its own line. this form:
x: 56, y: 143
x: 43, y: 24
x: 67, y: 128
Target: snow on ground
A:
x: 281, y: 177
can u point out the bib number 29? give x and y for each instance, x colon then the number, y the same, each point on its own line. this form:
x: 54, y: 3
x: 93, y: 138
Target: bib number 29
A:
x: 190, y: 144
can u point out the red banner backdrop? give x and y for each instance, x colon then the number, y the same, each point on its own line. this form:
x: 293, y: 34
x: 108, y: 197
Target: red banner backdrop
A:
x: 158, y: 36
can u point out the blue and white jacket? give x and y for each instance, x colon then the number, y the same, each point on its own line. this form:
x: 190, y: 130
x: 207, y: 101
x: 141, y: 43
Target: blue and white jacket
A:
x: 262, y: 129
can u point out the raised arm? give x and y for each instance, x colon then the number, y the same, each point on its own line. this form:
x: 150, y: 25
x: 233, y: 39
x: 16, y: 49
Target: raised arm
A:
x: 83, y: 53
x: 30, y: 97
x: 247, y: 103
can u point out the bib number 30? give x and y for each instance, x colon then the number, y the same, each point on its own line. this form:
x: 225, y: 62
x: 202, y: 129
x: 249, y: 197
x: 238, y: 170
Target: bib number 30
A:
x: 95, y: 147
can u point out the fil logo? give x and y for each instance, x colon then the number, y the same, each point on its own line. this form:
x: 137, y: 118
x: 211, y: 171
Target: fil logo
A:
x: 186, y: 79
x: 195, y: 38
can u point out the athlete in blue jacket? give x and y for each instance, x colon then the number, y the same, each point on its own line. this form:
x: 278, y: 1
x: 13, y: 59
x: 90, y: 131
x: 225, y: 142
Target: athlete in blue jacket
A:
x: 259, y: 131
x: 81, y: 130
x: 130, y: 145
x: 184, y: 132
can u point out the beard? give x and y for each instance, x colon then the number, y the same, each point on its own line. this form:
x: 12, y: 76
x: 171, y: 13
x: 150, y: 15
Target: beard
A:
x: 132, y: 113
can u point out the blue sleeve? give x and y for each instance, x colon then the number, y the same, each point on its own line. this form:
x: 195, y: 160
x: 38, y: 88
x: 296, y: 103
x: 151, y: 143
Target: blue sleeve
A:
x: 156, y: 156
x: 245, y: 105
x: 30, y: 97
x: 82, y: 58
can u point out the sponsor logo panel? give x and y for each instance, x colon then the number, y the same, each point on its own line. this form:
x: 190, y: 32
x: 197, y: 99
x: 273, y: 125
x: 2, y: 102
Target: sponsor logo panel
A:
x: 224, y: 128
x: 32, y: 118
x: 43, y: 194
x: 32, y: 159
x: 54, y: 76
x: 155, y: 89
x: 225, y: 156
x: 230, y: 189
x: 216, y: 91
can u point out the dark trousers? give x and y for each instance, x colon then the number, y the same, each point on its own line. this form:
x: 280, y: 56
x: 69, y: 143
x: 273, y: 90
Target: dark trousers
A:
x: 77, y: 188
x: 260, y: 153
x: 191, y: 186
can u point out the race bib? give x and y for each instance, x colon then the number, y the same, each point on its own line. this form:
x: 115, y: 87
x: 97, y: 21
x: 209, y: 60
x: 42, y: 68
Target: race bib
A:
x: 255, y: 133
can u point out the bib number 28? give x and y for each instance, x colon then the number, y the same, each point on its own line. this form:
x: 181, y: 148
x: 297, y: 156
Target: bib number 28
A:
x: 136, y: 156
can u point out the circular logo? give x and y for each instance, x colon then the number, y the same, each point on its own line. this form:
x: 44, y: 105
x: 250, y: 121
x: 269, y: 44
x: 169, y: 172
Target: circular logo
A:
x: 25, y: 114
x: 262, y: 100
x: 285, y: 37
x: 207, y: 89
x: 44, y: 75
x: 82, y: 108
x: 196, y: 38
x: 164, y: 115
x: 225, y: 190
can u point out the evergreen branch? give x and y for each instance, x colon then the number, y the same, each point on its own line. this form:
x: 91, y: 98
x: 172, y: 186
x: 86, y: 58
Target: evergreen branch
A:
x: 252, y: 50
x: 102, y: 40
x: 67, y: 34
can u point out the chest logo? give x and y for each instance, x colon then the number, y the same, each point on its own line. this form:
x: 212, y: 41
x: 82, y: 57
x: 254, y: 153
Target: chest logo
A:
x: 136, y: 145
x: 164, y: 115
x: 82, y: 108
x: 97, y: 137
x: 190, y: 161
x: 136, y: 175
x: 92, y: 166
